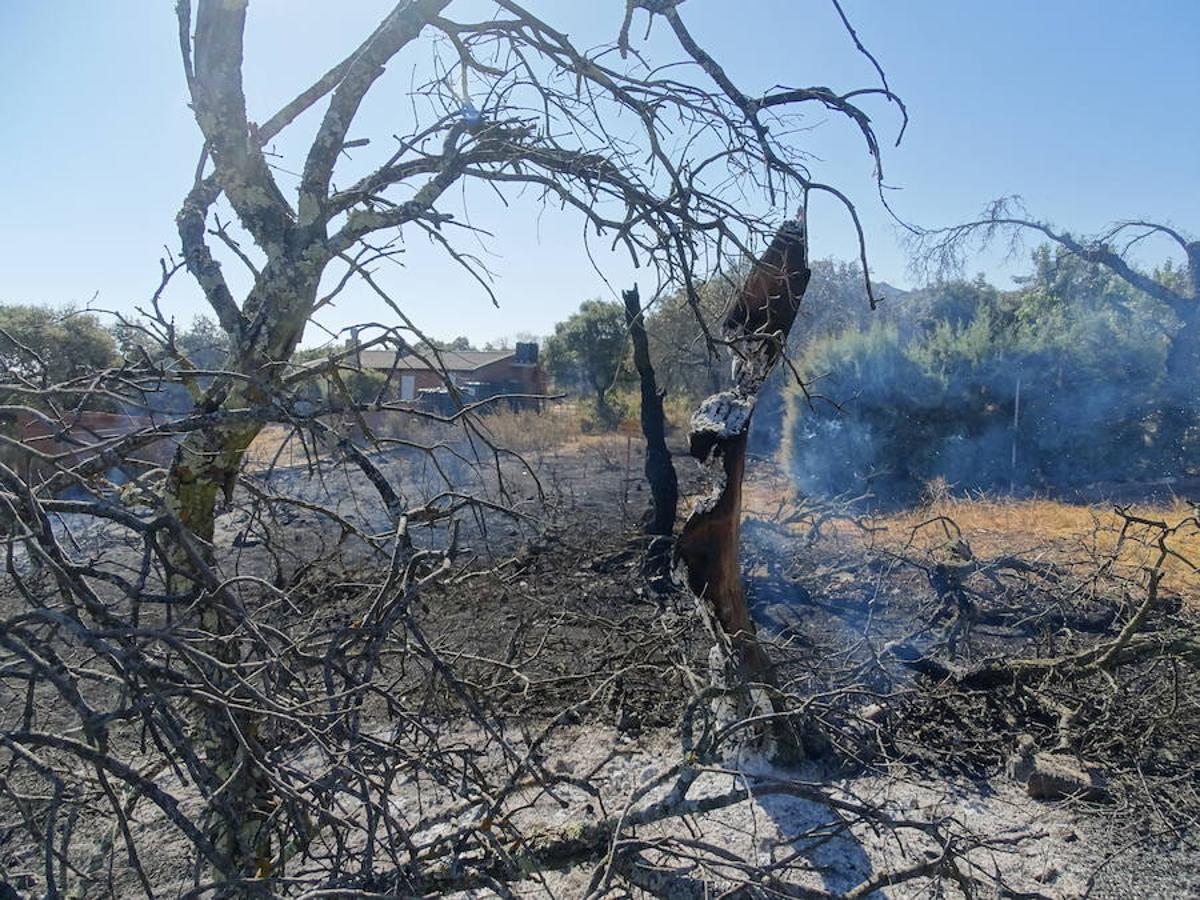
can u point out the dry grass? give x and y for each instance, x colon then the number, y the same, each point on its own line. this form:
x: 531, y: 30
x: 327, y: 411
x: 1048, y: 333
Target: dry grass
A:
x: 558, y: 426
x: 1067, y: 533
x: 526, y: 431
x: 275, y: 444
x: 998, y: 527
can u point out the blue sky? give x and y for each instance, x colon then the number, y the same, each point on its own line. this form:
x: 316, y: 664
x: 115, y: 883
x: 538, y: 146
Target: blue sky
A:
x: 1084, y: 107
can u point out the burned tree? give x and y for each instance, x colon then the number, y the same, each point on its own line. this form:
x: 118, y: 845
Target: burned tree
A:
x: 660, y: 471
x: 538, y: 122
x: 757, y: 328
x: 149, y: 644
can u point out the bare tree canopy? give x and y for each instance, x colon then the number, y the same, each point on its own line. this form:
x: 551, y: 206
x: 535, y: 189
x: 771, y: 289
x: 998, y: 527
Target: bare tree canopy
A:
x: 669, y: 159
x: 942, y: 250
x: 665, y: 159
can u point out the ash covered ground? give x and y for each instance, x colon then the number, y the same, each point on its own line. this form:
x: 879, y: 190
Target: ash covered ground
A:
x: 891, y: 629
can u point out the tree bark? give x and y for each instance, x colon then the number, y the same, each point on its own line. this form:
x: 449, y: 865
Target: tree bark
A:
x: 204, y: 470
x: 1179, y: 409
x: 757, y: 328
x: 659, y: 470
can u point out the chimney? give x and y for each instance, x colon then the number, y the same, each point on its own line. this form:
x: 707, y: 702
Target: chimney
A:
x: 526, y: 354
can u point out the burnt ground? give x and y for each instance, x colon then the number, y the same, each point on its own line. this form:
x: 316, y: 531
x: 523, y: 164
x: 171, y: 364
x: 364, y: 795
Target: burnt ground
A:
x: 549, y: 617
x: 566, y: 606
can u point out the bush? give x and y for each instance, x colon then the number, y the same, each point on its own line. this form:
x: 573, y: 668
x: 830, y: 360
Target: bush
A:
x: 1075, y: 387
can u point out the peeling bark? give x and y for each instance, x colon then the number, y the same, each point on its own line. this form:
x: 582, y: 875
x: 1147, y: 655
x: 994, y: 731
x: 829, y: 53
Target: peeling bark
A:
x: 707, y: 550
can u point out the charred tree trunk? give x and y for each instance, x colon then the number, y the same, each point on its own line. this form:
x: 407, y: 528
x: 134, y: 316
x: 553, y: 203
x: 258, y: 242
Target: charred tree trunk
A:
x: 660, y: 471
x: 707, y: 550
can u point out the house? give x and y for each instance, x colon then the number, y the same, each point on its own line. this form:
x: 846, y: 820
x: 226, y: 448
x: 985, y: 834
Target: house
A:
x: 78, y: 437
x: 477, y: 374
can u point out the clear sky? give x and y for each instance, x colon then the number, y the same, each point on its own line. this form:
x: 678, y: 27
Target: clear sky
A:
x: 1085, y: 107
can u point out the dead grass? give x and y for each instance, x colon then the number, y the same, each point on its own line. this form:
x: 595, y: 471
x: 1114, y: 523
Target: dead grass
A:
x: 999, y: 527
x: 523, y: 431
x: 1067, y: 533
x: 560, y: 426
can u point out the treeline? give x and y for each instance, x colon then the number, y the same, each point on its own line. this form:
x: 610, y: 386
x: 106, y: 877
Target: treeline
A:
x: 1057, y: 384
x: 44, y: 347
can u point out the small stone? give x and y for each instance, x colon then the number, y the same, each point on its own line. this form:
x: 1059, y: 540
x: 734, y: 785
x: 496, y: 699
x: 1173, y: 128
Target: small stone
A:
x: 1055, y: 776
x: 1048, y: 875
x: 873, y: 712
x: 1064, y: 833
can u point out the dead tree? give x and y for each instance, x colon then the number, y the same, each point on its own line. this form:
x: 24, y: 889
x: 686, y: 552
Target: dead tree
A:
x: 510, y: 104
x: 660, y: 471
x: 757, y: 328
x: 513, y: 105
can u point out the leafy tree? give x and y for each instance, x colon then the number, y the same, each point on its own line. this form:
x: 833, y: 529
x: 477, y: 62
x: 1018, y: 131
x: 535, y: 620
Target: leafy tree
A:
x: 1055, y: 385
x: 684, y: 364
x: 587, y: 350
x: 1174, y: 291
x: 865, y: 427
x: 203, y: 346
x: 43, y: 346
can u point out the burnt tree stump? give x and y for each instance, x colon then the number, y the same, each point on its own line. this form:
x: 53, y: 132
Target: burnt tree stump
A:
x: 706, y: 553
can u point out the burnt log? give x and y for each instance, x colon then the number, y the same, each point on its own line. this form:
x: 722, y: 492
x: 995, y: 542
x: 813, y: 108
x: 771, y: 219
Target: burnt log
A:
x: 659, y: 470
x: 706, y: 553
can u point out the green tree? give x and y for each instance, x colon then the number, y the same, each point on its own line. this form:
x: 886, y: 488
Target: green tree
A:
x: 43, y: 346
x: 683, y: 362
x: 1057, y: 384
x: 1174, y: 291
x: 52, y: 345
x: 203, y: 346
x: 586, y: 351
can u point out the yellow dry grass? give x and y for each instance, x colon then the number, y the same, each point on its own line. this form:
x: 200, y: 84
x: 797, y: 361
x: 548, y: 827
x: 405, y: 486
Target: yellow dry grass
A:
x: 557, y: 427
x: 275, y: 445
x: 1066, y: 533
x: 1070, y: 532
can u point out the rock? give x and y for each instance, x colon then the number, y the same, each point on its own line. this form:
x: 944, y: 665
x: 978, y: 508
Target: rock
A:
x: 1055, y: 776
x: 873, y: 712
x: 1064, y: 833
